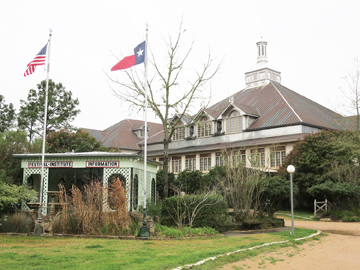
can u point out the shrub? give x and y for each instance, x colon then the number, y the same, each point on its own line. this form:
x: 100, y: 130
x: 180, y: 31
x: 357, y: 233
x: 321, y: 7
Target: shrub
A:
x: 213, y: 214
x: 17, y: 223
x: 11, y: 196
x: 154, y: 210
x: 160, y: 183
x: 275, y: 192
x: 189, y: 181
x: 346, y: 216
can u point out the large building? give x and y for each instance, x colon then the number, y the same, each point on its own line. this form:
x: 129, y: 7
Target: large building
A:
x: 266, y: 118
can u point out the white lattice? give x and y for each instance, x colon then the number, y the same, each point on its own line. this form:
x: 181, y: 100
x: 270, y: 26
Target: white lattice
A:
x: 149, y: 177
x: 28, y: 172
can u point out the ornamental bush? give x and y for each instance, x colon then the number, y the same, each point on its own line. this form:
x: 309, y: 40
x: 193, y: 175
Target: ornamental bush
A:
x: 213, y: 213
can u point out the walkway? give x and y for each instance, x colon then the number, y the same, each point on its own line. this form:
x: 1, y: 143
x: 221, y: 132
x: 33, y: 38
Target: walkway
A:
x: 339, y: 250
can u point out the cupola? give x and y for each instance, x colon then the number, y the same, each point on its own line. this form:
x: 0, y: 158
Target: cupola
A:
x: 262, y: 74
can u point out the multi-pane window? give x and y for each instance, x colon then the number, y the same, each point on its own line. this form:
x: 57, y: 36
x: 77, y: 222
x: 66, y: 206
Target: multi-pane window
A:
x: 190, y: 162
x: 238, y: 157
x: 277, y: 156
x: 204, y: 129
x: 258, y: 157
x: 179, y: 134
x: 234, y: 123
x: 176, y: 164
x: 219, y: 161
x: 205, y: 162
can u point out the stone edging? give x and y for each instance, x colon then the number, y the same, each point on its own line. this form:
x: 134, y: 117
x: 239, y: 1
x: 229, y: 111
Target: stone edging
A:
x: 240, y: 250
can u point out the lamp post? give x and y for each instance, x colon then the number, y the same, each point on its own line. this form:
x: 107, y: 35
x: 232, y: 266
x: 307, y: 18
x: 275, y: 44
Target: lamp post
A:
x: 291, y: 170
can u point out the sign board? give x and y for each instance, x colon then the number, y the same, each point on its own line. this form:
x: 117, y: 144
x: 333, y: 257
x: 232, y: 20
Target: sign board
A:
x: 102, y: 164
x: 51, y: 164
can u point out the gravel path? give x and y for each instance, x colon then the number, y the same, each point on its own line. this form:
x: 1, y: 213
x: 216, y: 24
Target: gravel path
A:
x: 339, y: 250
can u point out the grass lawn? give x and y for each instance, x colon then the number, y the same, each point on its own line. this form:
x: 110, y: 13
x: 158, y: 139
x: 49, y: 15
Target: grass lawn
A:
x: 23, y: 252
x: 298, y: 215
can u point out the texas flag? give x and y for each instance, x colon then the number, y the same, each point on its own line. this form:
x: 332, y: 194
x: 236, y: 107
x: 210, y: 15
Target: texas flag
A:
x: 132, y: 60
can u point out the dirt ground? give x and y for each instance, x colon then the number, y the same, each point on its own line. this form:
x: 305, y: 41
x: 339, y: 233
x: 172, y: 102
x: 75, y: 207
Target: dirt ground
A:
x: 340, y: 249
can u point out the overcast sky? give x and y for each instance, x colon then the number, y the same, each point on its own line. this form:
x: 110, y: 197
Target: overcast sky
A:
x: 312, y: 44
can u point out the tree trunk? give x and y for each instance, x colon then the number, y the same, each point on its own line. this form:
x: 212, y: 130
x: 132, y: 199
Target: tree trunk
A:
x: 166, y: 169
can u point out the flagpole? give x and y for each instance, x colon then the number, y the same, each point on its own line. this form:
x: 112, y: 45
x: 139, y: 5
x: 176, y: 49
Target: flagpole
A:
x: 145, y: 230
x: 44, y: 131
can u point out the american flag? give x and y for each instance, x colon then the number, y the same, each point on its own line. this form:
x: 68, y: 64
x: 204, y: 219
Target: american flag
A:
x: 38, y: 61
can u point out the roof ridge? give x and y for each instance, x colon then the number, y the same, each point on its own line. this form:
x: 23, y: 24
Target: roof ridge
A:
x: 286, y: 102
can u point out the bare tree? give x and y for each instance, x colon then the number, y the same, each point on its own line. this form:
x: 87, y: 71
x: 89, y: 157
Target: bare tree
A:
x: 351, y: 91
x: 172, y: 91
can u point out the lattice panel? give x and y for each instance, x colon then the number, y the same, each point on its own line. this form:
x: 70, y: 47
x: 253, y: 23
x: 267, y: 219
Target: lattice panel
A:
x: 28, y: 172
x: 149, y: 177
x: 108, y: 172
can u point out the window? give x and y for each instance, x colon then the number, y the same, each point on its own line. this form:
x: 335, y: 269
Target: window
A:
x: 136, y: 192
x: 234, y: 123
x: 258, y: 157
x: 153, y: 190
x: 204, y: 128
x: 179, y: 134
x: 205, y: 162
x: 176, y: 164
x: 190, y: 162
x: 219, y: 161
x: 218, y: 126
x: 277, y: 156
x: 191, y: 131
x: 241, y: 154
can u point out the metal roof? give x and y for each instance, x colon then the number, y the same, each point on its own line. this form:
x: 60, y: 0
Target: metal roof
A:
x: 277, y: 106
x: 121, y: 134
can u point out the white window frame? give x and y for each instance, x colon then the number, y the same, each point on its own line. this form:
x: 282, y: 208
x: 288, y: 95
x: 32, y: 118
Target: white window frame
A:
x: 179, y: 133
x: 190, y: 163
x: 205, y: 163
x: 277, y: 156
x: 176, y: 165
x: 234, y: 123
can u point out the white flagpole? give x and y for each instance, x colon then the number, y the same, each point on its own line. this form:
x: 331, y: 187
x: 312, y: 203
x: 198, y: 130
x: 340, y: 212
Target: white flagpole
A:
x: 44, y: 132
x: 146, y: 104
x: 144, y: 230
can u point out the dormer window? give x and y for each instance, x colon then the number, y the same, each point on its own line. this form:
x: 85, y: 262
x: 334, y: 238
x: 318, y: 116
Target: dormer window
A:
x: 140, y: 131
x: 234, y: 122
x: 204, y: 127
x: 179, y: 133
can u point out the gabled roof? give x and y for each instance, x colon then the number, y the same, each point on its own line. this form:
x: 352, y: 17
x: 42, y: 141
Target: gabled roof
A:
x: 121, y: 134
x: 186, y: 119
